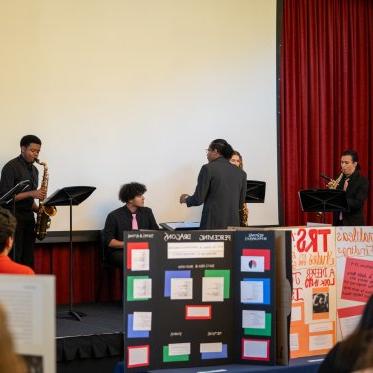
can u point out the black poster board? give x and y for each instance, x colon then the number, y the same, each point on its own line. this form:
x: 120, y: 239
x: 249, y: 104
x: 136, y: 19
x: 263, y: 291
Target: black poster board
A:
x: 255, y: 311
x: 183, y: 303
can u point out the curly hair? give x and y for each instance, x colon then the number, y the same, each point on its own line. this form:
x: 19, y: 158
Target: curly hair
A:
x: 7, y: 226
x: 130, y: 191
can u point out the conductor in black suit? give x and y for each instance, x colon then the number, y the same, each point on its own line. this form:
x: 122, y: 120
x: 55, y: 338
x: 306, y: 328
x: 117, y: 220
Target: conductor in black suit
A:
x: 221, y: 188
x: 132, y: 216
x: 356, y: 187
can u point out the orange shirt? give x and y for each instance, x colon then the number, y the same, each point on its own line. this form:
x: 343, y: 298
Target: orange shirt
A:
x: 7, y: 266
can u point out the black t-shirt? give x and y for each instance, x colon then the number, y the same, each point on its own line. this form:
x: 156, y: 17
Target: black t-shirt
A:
x: 15, y: 171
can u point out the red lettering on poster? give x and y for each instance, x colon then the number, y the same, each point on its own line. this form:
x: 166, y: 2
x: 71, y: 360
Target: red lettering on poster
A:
x: 305, y: 244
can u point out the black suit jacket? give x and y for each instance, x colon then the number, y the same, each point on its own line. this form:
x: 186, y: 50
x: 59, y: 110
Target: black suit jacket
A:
x: 221, y: 188
x: 356, y: 194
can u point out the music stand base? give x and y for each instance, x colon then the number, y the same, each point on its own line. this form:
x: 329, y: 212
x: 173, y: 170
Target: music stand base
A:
x: 71, y: 314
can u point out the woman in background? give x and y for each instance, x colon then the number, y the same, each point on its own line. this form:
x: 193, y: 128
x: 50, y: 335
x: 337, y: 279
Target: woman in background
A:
x: 236, y: 159
x: 351, y: 354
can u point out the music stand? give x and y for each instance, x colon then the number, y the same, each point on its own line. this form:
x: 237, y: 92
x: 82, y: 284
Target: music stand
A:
x: 70, y: 196
x: 10, y: 196
x: 323, y: 200
x: 255, y: 192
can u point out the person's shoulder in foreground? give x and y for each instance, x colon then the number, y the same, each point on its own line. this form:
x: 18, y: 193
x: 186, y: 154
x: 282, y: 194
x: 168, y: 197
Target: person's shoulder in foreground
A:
x: 7, y: 229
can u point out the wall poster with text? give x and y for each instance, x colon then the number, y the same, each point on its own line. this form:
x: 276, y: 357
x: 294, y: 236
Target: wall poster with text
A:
x: 313, y: 316
x: 354, y: 252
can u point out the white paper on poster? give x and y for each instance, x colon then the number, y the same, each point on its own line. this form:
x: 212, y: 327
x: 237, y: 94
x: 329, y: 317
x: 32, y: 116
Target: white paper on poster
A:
x: 175, y: 349
x: 198, y: 311
x: 140, y: 260
x: 252, y: 292
x: 138, y: 355
x: 349, y: 324
x: 255, y: 349
x: 142, y: 288
x: 142, y: 321
x: 181, y: 288
x: 212, y: 289
x: 253, y: 319
x: 211, y: 347
x: 252, y: 263
x: 296, y: 313
x: 193, y: 250
x: 294, y: 342
x: 320, y: 327
x: 320, y: 342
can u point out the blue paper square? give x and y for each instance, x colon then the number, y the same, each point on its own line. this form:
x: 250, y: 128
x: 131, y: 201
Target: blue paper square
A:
x: 216, y: 355
x: 168, y: 275
x: 266, y: 288
x: 135, y: 333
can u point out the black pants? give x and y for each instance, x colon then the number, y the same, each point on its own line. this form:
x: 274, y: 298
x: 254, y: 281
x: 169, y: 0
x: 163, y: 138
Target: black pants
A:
x: 23, y: 250
x: 115, y: 257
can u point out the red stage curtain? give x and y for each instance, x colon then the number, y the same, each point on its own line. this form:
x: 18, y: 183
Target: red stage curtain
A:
x: 89, y: 274
x: 326, y: 94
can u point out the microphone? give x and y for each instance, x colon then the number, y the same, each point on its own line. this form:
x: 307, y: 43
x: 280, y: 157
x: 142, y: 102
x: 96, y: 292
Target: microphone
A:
x: 326, y: 177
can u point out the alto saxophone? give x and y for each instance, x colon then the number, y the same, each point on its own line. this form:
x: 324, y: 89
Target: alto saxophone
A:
x: 43, y: 220
x: 333, y: 184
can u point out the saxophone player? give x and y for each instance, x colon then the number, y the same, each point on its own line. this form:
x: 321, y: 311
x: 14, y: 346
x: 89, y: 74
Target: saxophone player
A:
x: 356, y: 187
x: 16, y: 170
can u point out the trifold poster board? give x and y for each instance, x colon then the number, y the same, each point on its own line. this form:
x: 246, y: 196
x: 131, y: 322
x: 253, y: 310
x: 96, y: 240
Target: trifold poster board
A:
x: 332, y: 280
x: 198, y: 298
x: 29, y: 303
x: 313, y: 315
x: 354, y: 251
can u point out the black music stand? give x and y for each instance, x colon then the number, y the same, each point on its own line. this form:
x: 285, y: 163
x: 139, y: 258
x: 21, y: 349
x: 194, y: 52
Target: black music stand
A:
x: 10, y: 196
x: 255, y: 192
x: 70, y: 196
x: 323, y: 200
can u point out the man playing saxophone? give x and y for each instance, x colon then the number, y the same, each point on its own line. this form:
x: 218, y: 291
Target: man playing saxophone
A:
x: 356, y: 187
x: 16, y: 170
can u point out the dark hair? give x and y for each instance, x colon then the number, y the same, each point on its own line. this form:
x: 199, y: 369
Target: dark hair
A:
x: 353, y: 346
x: 354, y: 156
x: 29, y: 139
x: 7, y: 226
x: 222, y: 147
x: 130, y: 191
x: 366, y: 321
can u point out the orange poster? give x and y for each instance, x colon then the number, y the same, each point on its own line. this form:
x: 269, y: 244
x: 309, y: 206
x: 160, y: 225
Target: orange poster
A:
x: 313, y: 318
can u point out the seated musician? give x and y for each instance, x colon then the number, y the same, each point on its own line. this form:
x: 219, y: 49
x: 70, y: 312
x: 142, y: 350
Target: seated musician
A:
x: 132, y: 216
x: 7, y: 228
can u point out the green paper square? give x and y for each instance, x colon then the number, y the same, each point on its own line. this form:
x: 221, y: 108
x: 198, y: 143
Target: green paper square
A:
x: 221, y: 273
x: 263, y: 332
x: 130, y: 280
x: 167, y: 358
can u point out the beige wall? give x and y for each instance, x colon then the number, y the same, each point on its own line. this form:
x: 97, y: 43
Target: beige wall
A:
x: 135, y: 90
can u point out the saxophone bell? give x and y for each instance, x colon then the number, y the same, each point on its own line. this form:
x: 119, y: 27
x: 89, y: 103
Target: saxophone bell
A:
x: 333, y: 184
x: 44, y: 213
